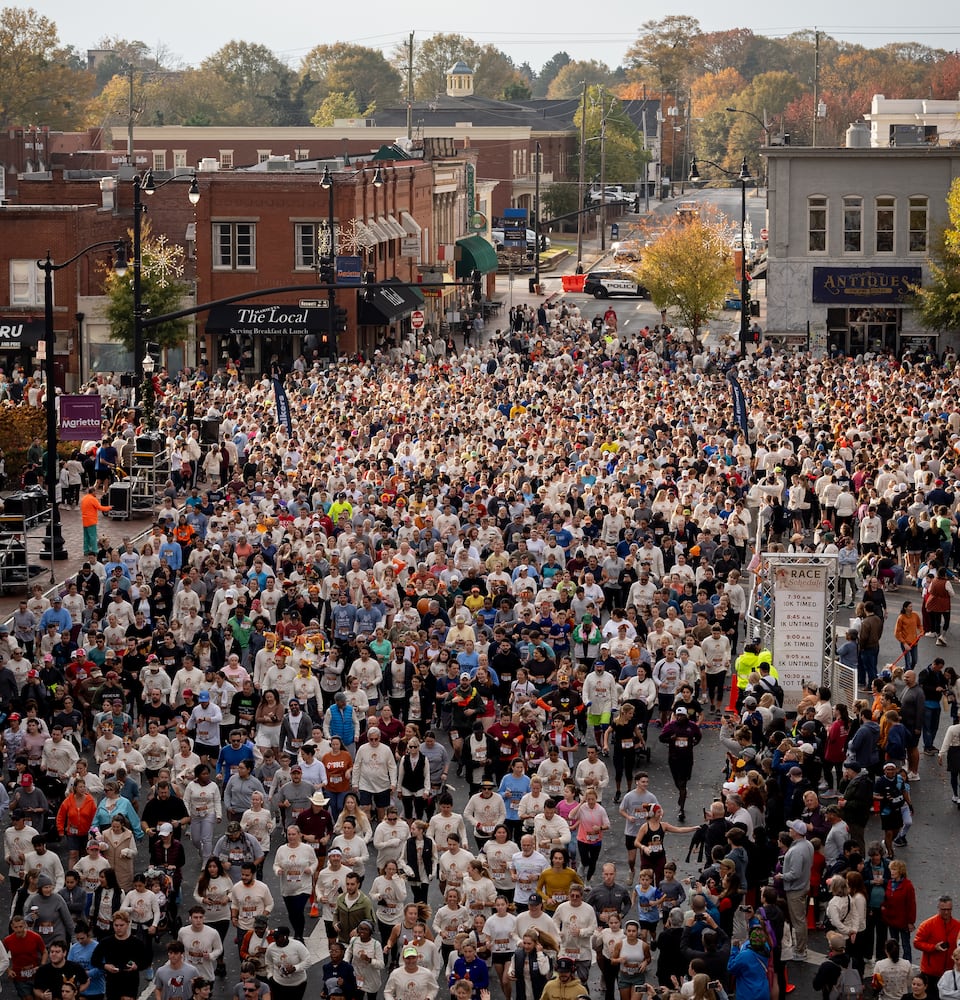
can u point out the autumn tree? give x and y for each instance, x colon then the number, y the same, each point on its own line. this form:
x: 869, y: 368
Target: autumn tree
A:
x: 714, y: 91
x: 493, y: 71
x: 244, y: 76
x: 938, y: 301
x: 665, y: 52
x: 688, y: 270
x: 351, y: 69
x: 39, y: 80
x: 570, y: 80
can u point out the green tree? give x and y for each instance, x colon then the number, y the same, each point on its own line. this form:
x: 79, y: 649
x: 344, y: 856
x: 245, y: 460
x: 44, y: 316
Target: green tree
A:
x: 162, y: 291
x: 351, y: 69
x: 548, y: 72
x: 688, y: 270
x: 242, y: 78
x: 938, y: 302
x: 625, y: 156
x: 558, y: 200
x: 339, y: 105
x: 38, y: 79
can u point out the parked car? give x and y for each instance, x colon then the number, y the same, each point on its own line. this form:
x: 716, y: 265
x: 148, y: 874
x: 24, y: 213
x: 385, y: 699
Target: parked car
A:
x: 602, y: 284
x: 613, y: 194
x: 498, y: 241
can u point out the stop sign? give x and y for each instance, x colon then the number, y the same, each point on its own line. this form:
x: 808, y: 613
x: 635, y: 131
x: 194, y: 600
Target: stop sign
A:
x: 417, y: 319
x: 764, y: 234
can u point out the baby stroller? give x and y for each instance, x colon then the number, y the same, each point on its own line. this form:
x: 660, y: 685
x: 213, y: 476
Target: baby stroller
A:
x: 162, y: 884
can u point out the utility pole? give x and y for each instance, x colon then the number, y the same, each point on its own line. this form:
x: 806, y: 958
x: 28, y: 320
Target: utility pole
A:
x: 536, y: 216
x: 580, y: 192
x: 410, y: 87
x: 130, y: 115
x: 603, y: 173
x: 646, y: 165
x: 816, y: 83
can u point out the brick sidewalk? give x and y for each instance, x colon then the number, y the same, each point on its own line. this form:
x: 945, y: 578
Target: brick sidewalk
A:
x: 72, y: 532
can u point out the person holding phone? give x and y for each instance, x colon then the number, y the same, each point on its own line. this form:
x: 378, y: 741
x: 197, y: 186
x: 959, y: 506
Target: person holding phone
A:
x: 122, y: 957
x: 936, y: 939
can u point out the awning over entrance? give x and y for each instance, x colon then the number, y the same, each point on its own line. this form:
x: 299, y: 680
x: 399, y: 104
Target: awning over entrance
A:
x: 18, y: 333
x: 272, y: 320
x: 475, y: 254
x: 387, y: 305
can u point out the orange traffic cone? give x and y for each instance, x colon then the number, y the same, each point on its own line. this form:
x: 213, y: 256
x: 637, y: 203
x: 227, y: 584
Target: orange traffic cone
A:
x: 314, y: 909
x: 734, y: 691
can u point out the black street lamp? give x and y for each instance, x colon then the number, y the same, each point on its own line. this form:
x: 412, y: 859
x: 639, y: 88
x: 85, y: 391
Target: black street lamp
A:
x: 743, y: 177
x: 327, y: 267
x: 55, y: 541
x: 766, y: 129
x: 144, y: 184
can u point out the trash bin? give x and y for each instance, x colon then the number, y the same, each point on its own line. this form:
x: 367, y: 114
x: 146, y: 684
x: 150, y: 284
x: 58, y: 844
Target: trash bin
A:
x: 532, y: 285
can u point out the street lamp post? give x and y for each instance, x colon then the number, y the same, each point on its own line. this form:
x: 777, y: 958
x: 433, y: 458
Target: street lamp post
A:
x: 766, y: 131
x: 328, y: 266
x: 144, y: 184
x: 536, y: 217
x: 55, y: 541
x: 743, y: 177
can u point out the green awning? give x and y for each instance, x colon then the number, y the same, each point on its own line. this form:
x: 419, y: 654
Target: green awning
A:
x: 476, y: 254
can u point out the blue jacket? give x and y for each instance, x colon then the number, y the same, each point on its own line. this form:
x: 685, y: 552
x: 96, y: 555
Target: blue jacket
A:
x: 748, y: 969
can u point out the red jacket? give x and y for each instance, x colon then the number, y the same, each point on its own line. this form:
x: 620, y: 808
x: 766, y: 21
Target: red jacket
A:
x: 899, y: 908
x: 935, y: 961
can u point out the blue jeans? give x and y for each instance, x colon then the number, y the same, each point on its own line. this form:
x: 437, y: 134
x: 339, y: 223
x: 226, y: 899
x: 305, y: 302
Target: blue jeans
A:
x: 902, y: 935
x: 931, y: 723
x: 909, y: 656
x: 868, y: 666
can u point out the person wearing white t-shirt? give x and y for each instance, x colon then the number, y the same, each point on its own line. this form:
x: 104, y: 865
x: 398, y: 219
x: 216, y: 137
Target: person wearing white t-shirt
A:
x: 202, y: 944
x: 411, y: 982
x: 295, y: 865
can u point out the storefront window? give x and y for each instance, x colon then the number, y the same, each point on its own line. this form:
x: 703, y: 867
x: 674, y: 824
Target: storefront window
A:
x: 852, y: 224
x: 885, y: 207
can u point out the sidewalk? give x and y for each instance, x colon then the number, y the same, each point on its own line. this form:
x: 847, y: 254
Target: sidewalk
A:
x: 72, y: 532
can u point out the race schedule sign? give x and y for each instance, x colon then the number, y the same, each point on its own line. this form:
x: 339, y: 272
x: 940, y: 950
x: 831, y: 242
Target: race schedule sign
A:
x: 800, y: 616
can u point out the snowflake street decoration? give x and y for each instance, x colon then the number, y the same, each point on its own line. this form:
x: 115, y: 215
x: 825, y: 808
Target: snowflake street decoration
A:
x: 162, y: 261
x: 354, y: 236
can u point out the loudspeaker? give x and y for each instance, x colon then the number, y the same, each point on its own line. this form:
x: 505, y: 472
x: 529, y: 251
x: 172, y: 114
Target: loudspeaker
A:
x: 210, y: 431
x: 24, y: 504
x: 149, y: 443
x: 121, y: 496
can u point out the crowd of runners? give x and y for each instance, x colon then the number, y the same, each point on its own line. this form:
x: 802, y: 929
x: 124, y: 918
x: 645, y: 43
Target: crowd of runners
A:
x: 417, y: 659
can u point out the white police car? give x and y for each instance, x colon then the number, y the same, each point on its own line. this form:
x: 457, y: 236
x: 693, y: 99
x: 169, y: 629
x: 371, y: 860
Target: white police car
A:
x: 603, y: 284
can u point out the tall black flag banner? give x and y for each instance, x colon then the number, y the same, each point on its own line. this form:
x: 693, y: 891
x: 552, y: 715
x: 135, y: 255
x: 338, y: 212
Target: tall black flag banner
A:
x: 739, y: 405
x: 283, y: 405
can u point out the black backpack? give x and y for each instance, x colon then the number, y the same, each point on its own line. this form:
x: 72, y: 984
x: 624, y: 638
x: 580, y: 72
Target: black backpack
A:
x: 772, y: 685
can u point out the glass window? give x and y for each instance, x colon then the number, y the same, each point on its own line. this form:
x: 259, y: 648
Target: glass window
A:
x: 226, y: 159
x: 885, y: 230
x: 179, y: 158
x: 159, y: 159
x: 305, y: 245
x: 852, y: 224
x: 26, y: 283
x: 263, y: 155
x: 918, y: 224
x: 234, y: 245
x: 817, y: 224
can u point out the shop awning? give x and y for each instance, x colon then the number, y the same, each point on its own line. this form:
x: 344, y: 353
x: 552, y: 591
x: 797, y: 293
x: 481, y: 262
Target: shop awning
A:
x: 388, y: 304
x: 476, y: 254
x: 398, y: 231
x: 18, y: 332
x: 378, y: 233
x: 282, y: 320
x: 410, y: 224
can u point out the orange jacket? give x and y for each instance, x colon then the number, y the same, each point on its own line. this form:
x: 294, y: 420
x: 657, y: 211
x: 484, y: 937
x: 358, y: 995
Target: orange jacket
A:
x: 909, y: 628
x: 74, y: 819
x: 935, y: 961
x: 90, y: 508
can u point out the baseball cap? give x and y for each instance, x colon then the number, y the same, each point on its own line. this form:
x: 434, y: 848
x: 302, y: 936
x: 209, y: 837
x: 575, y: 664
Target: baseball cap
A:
x: 233, y: 827
x: 165, y: 829
x: 535, y: 900
x: 680, y: 710
x: 565, y: 965
x: 410, y: 952
x: 204, y: 696
x: 798, y: 827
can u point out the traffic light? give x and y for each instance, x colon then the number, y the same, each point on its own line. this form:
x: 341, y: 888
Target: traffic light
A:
x: 476, y: 290
x: 326, y: 273
x: 339, y: 319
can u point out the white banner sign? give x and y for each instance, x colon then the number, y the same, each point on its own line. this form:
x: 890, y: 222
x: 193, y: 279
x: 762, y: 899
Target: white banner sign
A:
x: 800, y: 615
x: 410, y: 247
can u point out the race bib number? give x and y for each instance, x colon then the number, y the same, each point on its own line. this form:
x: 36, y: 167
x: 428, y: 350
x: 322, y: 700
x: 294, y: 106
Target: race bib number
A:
x: 626, y: 744
x: 681, y: 744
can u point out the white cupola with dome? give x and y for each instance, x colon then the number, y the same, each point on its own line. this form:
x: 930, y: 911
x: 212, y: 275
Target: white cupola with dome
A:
x: 459, y: 80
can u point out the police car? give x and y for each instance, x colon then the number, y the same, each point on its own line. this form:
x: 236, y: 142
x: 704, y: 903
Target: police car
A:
x: 602, y: 284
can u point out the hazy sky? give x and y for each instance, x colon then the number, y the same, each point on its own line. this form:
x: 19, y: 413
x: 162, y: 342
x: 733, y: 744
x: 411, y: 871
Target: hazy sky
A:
x: 530, y: 32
